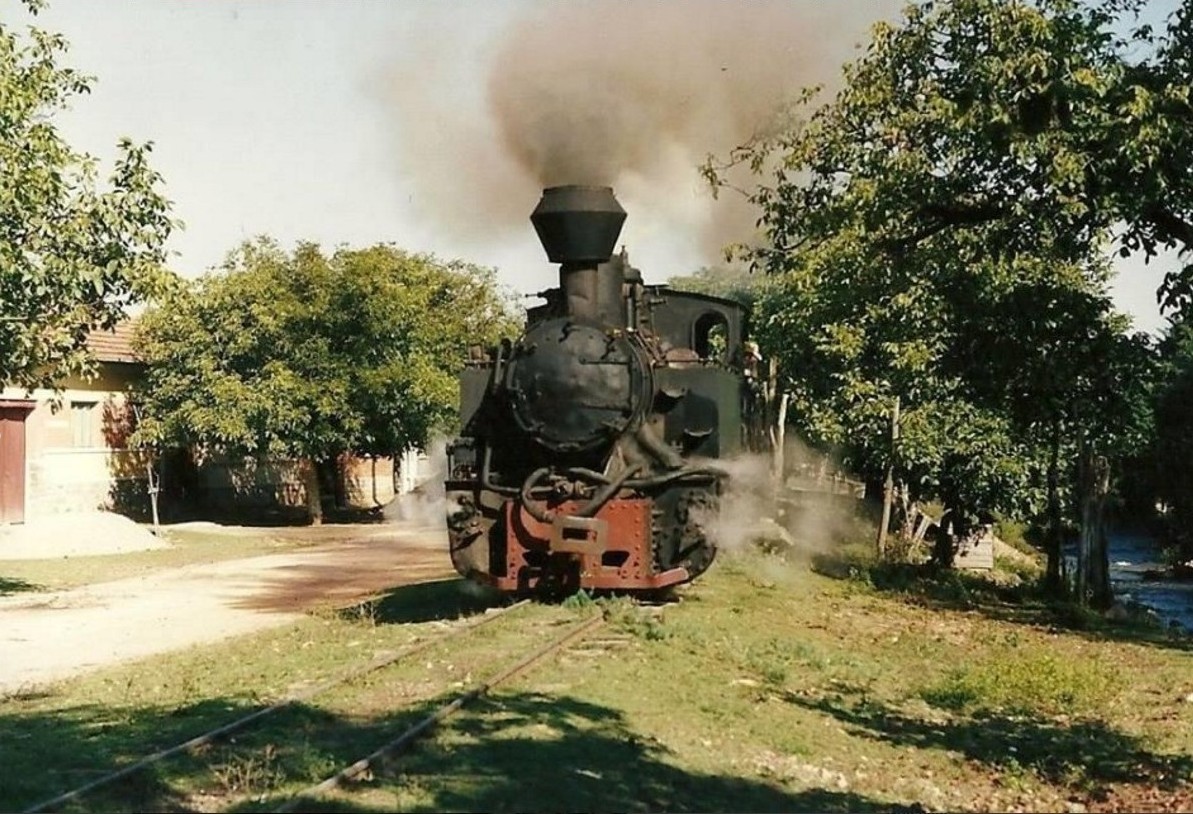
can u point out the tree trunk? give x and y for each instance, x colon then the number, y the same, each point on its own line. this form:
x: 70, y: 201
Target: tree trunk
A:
x: 1052, y: 578
x: 1093, y: 564
x: 948, y: 532
x: 888, y: 491
x: 907, y: 510
x: 331, y: 481
x: 339, y: 472
x: 310, y: 476
x: 769, y: 407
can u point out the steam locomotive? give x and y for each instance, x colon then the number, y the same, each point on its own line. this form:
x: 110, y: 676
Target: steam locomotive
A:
x: 586, y: 458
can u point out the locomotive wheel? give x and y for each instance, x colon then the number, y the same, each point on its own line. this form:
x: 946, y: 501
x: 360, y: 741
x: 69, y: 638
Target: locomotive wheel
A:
x: 678, y: 537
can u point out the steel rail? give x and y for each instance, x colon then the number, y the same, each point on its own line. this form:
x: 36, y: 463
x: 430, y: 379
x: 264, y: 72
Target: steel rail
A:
x: 240, y: 723
x: 410, y: 735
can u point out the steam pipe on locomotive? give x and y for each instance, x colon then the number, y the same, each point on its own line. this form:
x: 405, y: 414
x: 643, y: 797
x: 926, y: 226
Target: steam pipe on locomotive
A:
x: 587, y: 449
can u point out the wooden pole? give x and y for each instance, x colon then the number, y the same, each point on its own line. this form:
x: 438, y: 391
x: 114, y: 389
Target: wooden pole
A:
x: 779, y: 460
x: 888, y: 492
x: 154, y: 489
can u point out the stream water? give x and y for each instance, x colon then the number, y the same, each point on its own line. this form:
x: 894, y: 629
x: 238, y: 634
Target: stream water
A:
x: 1131, y: 555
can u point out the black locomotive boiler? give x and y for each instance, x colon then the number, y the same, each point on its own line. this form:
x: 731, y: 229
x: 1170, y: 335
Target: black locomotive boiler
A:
x: 587, y: 454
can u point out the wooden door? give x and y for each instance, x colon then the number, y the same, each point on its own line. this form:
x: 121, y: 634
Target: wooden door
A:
x: 12, y: 460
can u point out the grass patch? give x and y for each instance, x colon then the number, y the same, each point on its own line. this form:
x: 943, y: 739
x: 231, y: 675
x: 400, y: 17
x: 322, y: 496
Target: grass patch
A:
x: 627, y: 616
x: 1025, y: 684
x: 10, y: 585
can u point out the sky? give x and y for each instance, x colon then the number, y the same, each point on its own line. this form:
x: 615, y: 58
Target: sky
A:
x: 353, y: 123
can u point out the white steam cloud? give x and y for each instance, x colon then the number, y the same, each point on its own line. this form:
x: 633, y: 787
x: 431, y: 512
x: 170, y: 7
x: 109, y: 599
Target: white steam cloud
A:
x: 427, y: 504
x: 799, y: 516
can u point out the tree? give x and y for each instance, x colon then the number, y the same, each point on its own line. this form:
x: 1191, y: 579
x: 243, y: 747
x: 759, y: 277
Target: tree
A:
x: 854, y: 334
x: 299, y: 355
x: 1032, y: 120
x: 730, y: 282
x: 73, y: 257
x: 938, y: 229
x: 1173, y: 453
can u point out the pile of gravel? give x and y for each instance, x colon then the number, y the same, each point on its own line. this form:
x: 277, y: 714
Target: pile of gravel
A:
x: 76, y: 534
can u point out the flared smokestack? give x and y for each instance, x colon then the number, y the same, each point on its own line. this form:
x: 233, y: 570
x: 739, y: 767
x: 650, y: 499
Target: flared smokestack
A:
x: 578, y: 227
x: 578, y: 224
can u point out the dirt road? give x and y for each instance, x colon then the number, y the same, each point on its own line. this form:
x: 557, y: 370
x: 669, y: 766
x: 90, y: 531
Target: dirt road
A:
x: 49, y: 636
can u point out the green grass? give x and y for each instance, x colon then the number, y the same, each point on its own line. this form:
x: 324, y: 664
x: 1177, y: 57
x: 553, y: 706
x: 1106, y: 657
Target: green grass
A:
x: 764, y: 687
x: 16, y: 585
x: 1034, y: 683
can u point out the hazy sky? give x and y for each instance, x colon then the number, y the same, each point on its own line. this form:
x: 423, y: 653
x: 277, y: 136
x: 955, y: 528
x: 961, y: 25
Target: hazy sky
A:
x: 359, y: 122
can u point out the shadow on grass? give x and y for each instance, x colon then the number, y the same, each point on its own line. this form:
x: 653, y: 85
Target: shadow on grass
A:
x: 293, y: 516
x: 535, y: 752
x: 515, y: 752
x: 13, y: 585
x: 47, y: 754
x: 271, y: 516
x: 1085, y: 754
x: 1023, y: 603
x: 444, y: 599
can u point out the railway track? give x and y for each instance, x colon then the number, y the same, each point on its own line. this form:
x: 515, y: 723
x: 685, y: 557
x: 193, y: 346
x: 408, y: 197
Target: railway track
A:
x: 239, y: 740
x: 211, y: 736
x: 424, y: 725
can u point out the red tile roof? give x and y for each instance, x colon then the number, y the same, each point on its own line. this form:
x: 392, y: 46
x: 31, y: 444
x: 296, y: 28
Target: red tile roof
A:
x: 115, y: 345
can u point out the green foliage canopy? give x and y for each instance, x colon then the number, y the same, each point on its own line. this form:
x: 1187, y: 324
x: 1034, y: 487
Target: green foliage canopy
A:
x: 73, y: 256
x: 936, y: 233
x: 1032, y: 120
x: 735, y: 283
x: 303, y: 355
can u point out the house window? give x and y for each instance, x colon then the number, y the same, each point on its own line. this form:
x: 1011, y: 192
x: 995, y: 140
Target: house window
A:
x: 82, y: 422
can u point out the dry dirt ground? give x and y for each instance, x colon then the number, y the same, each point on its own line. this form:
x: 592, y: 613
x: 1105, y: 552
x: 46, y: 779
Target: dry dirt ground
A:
x: 49, y: 636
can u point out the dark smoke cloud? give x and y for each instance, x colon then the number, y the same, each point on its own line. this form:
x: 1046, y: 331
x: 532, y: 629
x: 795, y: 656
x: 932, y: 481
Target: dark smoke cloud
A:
x: 632, y: 95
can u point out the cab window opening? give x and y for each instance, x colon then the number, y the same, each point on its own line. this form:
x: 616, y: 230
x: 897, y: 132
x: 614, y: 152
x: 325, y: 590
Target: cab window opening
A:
x: 711, y: 337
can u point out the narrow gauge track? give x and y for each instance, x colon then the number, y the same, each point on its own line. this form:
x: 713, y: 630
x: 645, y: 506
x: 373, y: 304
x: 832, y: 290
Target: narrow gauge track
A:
x: 239, y: 724
x: 412, y: 734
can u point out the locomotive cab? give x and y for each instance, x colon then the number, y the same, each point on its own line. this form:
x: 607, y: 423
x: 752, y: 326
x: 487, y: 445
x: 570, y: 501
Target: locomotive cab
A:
x: 587, y: 454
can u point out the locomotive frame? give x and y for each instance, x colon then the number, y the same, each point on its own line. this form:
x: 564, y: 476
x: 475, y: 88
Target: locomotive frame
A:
x: 588, y: 449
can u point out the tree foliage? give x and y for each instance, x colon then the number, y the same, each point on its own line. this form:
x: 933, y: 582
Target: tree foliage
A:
x: 735, y: 282
x: 73, y: 255
x: 937, y: 233
x: 1032, y: 120
x: 301, y: 355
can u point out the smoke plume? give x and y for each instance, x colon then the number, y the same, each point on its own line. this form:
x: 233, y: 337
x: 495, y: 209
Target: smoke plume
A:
x: 633, y: 95
x: 585, y: 95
